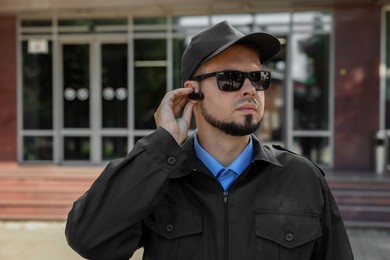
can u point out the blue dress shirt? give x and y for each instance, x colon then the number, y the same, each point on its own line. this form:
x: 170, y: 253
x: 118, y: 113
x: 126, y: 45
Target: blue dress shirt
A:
x: 225, y: 175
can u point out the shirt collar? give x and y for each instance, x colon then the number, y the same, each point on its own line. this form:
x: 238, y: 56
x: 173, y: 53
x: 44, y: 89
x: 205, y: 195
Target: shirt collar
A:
x: 238, y: 165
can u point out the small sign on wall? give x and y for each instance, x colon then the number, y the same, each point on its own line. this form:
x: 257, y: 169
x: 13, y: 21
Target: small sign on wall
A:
x: 38, y: 46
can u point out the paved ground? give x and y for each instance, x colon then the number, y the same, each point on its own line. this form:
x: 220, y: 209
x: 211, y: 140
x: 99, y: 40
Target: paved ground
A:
x: 36, y: 241
x: 46, y: 240
x: 370, y: 244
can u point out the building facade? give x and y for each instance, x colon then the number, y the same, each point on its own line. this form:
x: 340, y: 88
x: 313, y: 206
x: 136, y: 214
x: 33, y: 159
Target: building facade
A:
x: 80, y: 86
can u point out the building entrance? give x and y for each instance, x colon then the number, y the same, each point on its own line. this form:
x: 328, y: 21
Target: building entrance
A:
x: 94, y: 101
x: 89, y: 87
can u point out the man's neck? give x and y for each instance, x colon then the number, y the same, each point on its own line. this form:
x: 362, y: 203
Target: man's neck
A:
x: 224, y: 148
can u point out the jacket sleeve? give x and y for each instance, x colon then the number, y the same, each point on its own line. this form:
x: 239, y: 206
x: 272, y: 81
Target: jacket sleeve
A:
x: 334, y: 243
x: 105, y: 223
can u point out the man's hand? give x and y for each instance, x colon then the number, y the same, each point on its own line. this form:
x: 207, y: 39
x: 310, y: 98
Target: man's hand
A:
x: 171, y: 105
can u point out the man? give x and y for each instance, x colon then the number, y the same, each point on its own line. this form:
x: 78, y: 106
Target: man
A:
x: 220, y: 194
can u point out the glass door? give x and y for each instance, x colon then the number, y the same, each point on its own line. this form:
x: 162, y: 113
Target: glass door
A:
x: 114, y: 100
x: 94, y: 115
x: 273, y: 129
x: 76, y: 102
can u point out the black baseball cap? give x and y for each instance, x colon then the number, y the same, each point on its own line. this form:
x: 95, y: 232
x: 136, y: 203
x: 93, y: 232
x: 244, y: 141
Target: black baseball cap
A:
x: 215, y: 39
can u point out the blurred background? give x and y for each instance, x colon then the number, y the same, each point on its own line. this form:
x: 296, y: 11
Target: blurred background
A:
x: 80, y: 81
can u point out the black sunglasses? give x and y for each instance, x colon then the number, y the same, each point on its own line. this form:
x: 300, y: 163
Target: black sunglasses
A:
x: 233, y: 80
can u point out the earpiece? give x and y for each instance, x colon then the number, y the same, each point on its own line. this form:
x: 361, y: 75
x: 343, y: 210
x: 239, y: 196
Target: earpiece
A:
x: 196, y: 96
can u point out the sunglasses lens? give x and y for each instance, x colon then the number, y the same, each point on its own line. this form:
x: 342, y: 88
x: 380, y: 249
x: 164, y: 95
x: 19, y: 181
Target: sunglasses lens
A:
x: 260, y: 79
x: 230, y: 80
x: 265, y: 79
x: 255, y: 78
x: 233, y: 80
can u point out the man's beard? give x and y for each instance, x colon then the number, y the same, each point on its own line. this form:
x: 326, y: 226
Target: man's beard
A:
x: 231, y: 128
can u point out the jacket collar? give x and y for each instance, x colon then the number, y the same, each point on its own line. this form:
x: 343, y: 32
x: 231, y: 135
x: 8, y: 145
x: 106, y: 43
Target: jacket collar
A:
x: 261, y: 153
x: 264, y: 153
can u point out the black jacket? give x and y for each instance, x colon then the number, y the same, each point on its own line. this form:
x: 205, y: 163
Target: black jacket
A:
x: 162, y: 198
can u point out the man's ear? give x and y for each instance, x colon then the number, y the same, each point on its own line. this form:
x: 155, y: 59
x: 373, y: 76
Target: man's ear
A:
x: 191, y: 84
x: 196, y: 95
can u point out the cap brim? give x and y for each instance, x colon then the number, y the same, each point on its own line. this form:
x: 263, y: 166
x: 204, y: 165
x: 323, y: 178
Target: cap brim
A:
x: 267, y: 45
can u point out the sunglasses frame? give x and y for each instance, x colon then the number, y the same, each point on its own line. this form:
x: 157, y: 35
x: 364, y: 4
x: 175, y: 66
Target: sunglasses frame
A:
x: 264, y: 82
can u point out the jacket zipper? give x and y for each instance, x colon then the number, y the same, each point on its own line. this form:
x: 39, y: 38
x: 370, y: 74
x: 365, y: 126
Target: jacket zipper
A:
x: 226, y: 226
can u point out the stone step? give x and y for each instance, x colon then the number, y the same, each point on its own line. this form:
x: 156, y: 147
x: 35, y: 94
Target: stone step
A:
x: 363, y: 201
x: 42, y: 193
x: 356, y: 183
x: 28, y: 212
x: 366, y: 216
x: 48, y: 193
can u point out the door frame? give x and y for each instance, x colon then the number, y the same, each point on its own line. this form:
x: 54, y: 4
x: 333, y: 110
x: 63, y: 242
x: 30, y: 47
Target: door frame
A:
x: 95, y: 131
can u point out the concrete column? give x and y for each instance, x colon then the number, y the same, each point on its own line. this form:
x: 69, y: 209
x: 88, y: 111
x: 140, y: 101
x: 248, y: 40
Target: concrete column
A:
x: 357, y: 83
x: 8, y: 83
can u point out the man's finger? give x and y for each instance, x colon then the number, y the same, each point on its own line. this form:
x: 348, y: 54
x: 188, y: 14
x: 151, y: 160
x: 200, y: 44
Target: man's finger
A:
x: 178, y: 106
x: 176, y: 95
x: 187, y: 112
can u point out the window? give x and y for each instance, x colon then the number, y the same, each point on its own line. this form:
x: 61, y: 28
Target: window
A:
x: 37, y: 84
x: 112, y: 73
x: 150, y: 66
x: 387, y: 71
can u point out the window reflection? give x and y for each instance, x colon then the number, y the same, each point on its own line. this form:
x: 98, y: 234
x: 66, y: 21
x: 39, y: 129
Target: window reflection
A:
x: 114, y: 147
x: 76, y: 148
x: 114, y: 85
x: 310, y: 73
x: 315, y: 149
x: 38, y: 148
x: 37, y: 89
x: 76, y: 85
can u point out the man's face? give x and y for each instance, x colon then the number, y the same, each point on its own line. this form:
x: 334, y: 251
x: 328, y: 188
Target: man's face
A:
x: 236, y: 113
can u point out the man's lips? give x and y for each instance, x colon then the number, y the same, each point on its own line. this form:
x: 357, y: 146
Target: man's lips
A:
x: 247, y: 108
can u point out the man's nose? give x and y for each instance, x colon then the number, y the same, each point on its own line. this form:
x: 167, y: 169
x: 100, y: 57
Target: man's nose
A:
x: 248, y: 88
